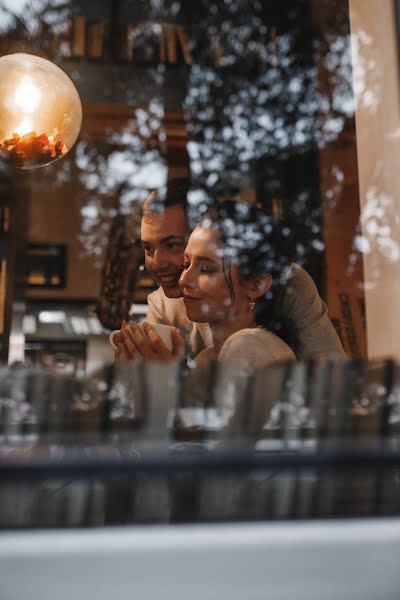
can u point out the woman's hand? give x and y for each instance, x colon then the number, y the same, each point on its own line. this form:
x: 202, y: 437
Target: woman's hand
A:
x: 144, y: 341
x: 121, y: 352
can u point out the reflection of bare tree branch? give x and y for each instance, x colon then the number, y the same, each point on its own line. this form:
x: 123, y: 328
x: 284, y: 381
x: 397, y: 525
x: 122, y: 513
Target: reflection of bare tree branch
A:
x: 253, y: 98
x: 375, y: 236
x: 128, y: 160
x: 28, y: 20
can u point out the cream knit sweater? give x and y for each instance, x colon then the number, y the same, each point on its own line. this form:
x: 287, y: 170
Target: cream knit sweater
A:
x: 249, y: 348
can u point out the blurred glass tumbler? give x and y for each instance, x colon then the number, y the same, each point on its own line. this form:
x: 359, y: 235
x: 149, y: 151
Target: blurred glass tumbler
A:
x: 164, y: 331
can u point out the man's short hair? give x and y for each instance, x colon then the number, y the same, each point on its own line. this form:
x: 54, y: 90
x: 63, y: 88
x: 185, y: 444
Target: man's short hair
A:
x: 174, y: 193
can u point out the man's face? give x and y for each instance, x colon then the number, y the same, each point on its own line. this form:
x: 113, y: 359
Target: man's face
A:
x: 164, y: 237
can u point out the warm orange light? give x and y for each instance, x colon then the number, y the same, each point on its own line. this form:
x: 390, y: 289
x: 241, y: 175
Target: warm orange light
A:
x: 24, y: 127
x: 27, y: 95
x: 40, y: 111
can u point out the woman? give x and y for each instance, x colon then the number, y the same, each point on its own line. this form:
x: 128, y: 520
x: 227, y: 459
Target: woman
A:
x: 236, y: 262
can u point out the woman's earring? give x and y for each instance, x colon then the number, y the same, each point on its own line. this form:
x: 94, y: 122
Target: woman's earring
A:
x: 252, y: 303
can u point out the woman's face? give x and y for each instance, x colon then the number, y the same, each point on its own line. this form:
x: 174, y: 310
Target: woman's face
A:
x: 204, y: 284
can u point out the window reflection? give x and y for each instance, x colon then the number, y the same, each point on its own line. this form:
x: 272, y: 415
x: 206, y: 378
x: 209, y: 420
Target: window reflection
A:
x: 248, y: 98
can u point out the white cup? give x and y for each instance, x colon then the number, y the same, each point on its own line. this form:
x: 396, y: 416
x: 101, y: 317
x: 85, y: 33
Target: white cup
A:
x: 164, y: 331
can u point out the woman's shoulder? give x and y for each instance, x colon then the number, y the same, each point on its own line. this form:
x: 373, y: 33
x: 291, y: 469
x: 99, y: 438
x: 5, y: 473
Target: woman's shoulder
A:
x: 256, y: 347
x: 256, y: 336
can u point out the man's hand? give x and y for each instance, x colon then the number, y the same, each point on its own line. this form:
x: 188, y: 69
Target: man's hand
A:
x: 121, y: 352
x: 135, y: 341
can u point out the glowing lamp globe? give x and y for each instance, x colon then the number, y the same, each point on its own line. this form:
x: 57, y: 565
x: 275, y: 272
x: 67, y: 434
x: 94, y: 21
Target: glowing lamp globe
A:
x: 40, y: 111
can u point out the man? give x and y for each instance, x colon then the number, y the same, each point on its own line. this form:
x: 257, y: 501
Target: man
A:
x: 164, y: 232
